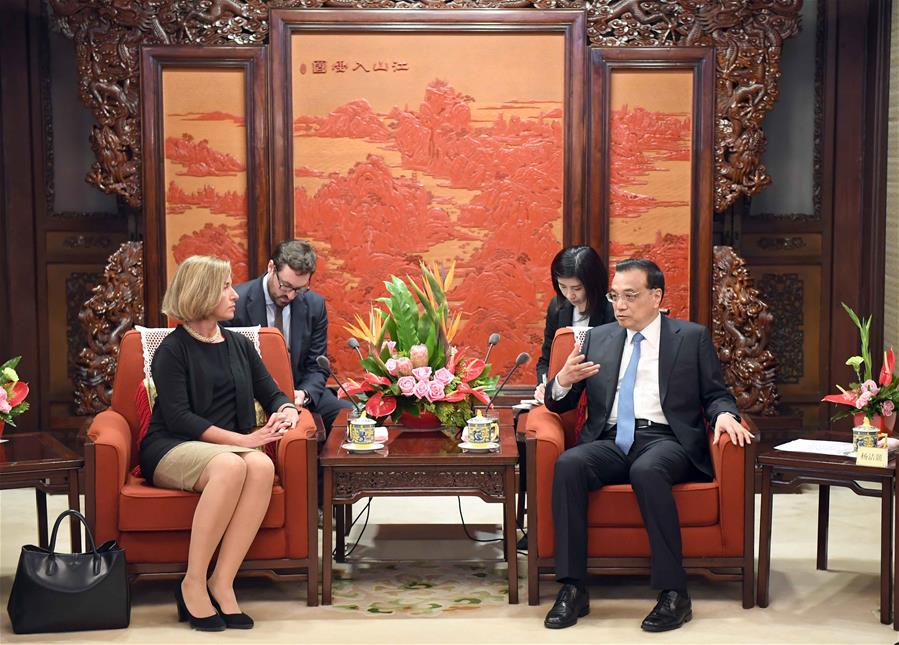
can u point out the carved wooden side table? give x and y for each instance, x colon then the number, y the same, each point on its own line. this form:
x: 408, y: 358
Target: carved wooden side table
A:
x: 39, y: 460
x: 785, y: 470
x: 416, y: 463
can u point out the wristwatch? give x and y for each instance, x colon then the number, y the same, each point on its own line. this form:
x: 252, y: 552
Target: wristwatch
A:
x: 305, y: 398
x: 731, y: 414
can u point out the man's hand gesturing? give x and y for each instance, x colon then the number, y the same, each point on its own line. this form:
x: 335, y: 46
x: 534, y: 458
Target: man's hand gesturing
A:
x: 576, y: 369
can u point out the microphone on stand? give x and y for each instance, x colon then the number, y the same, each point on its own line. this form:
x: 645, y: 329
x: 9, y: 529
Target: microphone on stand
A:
x: 520, y: 360
x: 354, y: 344
x: 491, y: 343
x: 325, y: 364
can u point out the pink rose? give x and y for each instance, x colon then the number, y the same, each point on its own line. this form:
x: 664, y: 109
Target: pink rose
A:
x: 390, y: 345
x: 403, y: 366
x: 406, y: 385
x: 444, y: 376
x: 886, y: 408
x: 422, y: 373
x: 870, y: 386
x: 435, y: 391
x: 4, y: 401
x: 419, y: 355
x: 391, y: 366
x: 863, y: 399
x: 421, y: 389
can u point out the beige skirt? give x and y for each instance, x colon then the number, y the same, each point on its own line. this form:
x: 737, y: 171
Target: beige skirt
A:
x: 181, y: 467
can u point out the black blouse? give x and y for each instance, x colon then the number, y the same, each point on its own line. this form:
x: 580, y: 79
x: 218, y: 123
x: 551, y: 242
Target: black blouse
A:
x: 200, y: 385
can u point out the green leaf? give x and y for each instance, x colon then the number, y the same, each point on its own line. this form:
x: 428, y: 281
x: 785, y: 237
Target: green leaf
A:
x: 404, y: 312
x: 11, y: 363
x: 439, y: 296
x: 852, y: 315
x: 423, y: 299
x: 379, y: 341
x: 424, y: 332
x: 371, y: 365
x: 431, y: 343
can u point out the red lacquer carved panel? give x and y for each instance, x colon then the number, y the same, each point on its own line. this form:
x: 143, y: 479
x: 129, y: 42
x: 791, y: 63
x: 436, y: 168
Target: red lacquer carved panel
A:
x: 651, y: 165
x: 649, y: 176
x: 423, y: 147
x: 205, y: 166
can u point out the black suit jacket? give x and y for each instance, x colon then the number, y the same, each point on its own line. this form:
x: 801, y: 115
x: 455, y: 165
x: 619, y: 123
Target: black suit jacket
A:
x: 308, y: 332
x: 557, y: 317
x: 690, y: 384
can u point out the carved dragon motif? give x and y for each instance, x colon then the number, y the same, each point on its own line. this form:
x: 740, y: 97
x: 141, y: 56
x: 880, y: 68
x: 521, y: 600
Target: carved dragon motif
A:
x: 116, y: 306
x: 741, y: 324
x: 747, y: 35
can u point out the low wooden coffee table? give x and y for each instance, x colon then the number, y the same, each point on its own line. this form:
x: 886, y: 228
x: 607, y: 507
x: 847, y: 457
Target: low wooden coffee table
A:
x: 783, y: 470
x: 418, y: 463
x: 38, y: 459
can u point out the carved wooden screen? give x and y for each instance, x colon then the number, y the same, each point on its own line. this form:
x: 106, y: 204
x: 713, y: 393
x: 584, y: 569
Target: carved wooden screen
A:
x: 651, y: 168
x: 436, y: 136
x: 205, y: 171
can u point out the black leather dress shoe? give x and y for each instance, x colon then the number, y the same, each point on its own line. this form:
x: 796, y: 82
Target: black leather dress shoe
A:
x: 570, y: 605
x: 522, y: 543
x: 671, y: 611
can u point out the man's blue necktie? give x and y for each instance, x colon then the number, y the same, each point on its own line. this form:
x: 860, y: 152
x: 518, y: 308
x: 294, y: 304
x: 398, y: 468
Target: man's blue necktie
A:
x: 627, y: 420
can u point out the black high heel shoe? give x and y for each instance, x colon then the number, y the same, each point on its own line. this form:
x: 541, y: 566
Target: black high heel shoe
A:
x: 212, y: 623
x: 232, y: 621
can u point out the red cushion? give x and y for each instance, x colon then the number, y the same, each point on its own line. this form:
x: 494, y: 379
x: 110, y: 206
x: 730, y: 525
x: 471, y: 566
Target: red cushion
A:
x: 146, y: 508
x: 616, y: 505
x: 142, y: 404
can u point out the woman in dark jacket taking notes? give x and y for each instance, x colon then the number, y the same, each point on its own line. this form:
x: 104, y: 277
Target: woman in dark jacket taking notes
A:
x: 201, y: 436
x: 581, y: 280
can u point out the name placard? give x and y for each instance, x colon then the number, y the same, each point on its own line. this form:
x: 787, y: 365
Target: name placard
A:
x: 871, y: 457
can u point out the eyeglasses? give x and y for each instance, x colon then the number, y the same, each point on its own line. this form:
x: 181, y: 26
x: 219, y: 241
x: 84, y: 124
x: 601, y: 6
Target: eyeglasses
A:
x: 290, y: 288
x: 629, y: 296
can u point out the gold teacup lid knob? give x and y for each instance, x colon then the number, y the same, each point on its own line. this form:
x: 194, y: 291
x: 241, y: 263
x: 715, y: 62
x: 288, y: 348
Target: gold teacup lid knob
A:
x: 479, y: 419
x: 362, y: 419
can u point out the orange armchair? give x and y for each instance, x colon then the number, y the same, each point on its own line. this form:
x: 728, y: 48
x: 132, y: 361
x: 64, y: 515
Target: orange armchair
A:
x: 153, y: 524
x: 717, y: 517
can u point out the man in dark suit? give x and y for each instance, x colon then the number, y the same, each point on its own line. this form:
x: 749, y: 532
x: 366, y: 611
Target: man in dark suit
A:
x: 282, y: 298
x: 651, y: 382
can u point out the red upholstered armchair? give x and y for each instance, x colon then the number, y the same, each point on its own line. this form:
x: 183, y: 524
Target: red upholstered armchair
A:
x: 717, y: 517
x: 153, y: 524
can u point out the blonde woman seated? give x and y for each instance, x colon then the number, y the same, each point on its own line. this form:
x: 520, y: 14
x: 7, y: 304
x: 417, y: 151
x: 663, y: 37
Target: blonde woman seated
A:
x: 201, y: 436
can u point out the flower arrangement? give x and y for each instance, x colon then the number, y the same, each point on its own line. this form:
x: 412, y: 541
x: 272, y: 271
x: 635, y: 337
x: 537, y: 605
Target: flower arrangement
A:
x: 12, y: 392
x: 412, y: 366
x: 866, y: 396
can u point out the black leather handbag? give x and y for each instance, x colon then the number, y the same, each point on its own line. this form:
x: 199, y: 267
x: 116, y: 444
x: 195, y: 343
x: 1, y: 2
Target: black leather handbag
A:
x: 62, y: 592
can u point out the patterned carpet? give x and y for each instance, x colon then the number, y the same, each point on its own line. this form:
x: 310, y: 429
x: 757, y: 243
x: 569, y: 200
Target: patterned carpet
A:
x: 419, y: 588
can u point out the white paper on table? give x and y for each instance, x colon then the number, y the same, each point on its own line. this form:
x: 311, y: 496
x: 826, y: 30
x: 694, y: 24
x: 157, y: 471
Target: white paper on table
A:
x: 840, y: 448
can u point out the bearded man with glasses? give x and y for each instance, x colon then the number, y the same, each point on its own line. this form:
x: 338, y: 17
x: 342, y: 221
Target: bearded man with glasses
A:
x: 282, y: 298
x: 651, y: 383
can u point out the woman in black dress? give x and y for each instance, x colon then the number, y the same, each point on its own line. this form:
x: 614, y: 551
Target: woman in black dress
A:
x: 201, y: 436
x: 581, y: 280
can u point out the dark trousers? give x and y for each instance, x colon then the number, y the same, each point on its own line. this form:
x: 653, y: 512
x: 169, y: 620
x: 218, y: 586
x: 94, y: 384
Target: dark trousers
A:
x: 329, y: 407
x: 655, y: 462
